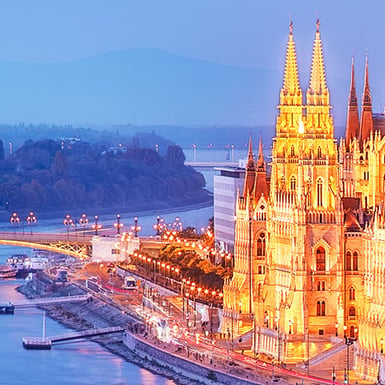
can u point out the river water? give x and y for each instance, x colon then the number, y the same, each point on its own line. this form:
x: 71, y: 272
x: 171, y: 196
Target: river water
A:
x: 81, y: 363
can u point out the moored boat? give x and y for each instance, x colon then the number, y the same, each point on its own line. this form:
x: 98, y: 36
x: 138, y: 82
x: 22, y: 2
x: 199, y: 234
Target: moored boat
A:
x: 7, y: 271
x: 7, y: 308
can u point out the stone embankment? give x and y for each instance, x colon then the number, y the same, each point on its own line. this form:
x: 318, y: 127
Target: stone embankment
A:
x: 153, y: 355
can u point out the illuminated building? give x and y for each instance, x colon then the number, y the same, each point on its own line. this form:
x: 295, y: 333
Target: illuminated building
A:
x: 309, y: 260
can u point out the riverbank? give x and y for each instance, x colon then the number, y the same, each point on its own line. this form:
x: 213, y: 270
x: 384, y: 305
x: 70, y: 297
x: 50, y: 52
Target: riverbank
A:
x: 99, y: 314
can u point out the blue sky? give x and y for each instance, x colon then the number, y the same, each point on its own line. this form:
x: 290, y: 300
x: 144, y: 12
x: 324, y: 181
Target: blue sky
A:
x: 246, y: 33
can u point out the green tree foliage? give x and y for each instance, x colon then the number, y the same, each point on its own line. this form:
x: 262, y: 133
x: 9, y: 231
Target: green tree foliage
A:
x: 49, y: 174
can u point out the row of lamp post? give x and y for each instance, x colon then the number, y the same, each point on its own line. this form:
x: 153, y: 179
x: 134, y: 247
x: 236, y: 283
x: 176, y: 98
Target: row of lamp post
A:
x: 15, y: 220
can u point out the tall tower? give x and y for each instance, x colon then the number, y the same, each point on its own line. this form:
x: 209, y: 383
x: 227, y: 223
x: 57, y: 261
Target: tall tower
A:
x: 305, y: 216
x: 366, y: 109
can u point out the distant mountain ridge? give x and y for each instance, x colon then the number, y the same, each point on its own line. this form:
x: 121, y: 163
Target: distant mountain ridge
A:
x: 139, y: 86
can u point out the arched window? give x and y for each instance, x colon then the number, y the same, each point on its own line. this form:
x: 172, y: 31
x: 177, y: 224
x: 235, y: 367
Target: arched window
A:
x: 319, y: 153
x: 261, y: 245
x: 355, y: 261
x: 320, y: 259
x: 352, y: 311
x: 293, y: 184
x: 319, y: 192
x: 292, y: 150
x: 348, y: 263
x: 353, y: 331
x: 352, y: 294
x: 321, y: 309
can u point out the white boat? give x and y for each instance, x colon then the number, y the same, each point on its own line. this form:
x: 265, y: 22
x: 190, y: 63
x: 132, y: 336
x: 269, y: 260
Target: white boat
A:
x: 7, y: 271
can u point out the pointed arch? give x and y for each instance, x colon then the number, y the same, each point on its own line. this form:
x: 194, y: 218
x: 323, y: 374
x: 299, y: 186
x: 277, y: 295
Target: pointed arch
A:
x: 293, y: 183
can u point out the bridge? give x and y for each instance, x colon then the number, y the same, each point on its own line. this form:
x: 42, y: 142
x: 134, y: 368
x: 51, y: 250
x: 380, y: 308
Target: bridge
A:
x: 211, y: 164
x: 51, y: 300
x: 73, y: 244
x: 47, y: 342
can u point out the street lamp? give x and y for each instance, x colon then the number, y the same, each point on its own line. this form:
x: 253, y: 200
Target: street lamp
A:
x: 31, y: 219
x: 348, y: 341
x: 157, y: 226
x: 118, y: 225
x: 136, y: 228
x: 15, y: 220
x: 83, y: 221
x: 67, y: 223
x: 382, y: 345
x: 96, y: 226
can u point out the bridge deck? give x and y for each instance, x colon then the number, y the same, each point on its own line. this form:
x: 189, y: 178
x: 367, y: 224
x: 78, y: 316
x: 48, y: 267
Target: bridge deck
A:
x: 47, y: 301
x: 47, y: 342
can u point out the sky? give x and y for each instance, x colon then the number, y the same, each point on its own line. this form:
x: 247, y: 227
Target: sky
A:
x: 245, y: 33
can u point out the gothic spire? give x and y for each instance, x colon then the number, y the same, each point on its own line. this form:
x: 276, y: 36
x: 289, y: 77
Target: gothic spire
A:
x: 366, y: 108
x: 250, y: 171
x: 352, y: 118
x: 260, y: 186
x: 261, y: 160
x: 291, y: 93
x: 318, y: 92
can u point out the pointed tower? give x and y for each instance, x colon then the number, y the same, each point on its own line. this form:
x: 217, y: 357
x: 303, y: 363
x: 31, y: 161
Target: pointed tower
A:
x: 250, y: 172
x: 352, y: 118
x: 290, y: 97
x: 366, y: 109
x: 260, y: 187
x: 317, y: 96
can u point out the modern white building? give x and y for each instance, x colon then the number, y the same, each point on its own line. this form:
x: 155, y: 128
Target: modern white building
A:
x: 226, y: 186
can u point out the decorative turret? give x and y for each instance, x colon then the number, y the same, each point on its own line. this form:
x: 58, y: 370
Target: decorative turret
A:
x: 290, y: 97
x: 317, y: 95
x: 352, y: 118
x: 366, y: 110
x: 250, y: 172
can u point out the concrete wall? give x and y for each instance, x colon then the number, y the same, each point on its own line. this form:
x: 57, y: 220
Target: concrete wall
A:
x: 204, y: 372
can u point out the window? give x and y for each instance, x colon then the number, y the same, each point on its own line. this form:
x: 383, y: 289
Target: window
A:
x: 352, y: 294
x: 319, y: 192
x: 355, y: 261
x: 321, y: 286
x: 320, y: 332
x: 353, y: 331
x: 115, y: 251
x: 293, y: 183
x: 352, y: 311
x: 292, y: 150
x: 319, y: 153
x: 321, y: 312
x: 261, y: 269
x: 261, y: 245
x: 348, y: 261
x: 320, y: 259
x: 383, y: 184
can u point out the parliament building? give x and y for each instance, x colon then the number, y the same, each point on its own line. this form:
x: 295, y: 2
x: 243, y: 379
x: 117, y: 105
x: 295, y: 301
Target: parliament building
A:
x: 309, y: 254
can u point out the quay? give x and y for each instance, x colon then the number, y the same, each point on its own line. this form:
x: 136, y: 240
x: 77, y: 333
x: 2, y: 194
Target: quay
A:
x: 51, y: 300
x: 47, y: 342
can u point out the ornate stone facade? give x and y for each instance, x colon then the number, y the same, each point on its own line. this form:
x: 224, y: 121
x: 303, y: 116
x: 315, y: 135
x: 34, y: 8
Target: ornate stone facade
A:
x: 309, y: 262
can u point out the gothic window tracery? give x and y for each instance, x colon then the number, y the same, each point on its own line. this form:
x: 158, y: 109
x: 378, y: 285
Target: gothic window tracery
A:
x: 293, y: 183
x: 352, y: 293
x: 320, y: 259
x: 321, y: 308
x: 261, y: 245
x: 319, y: 152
